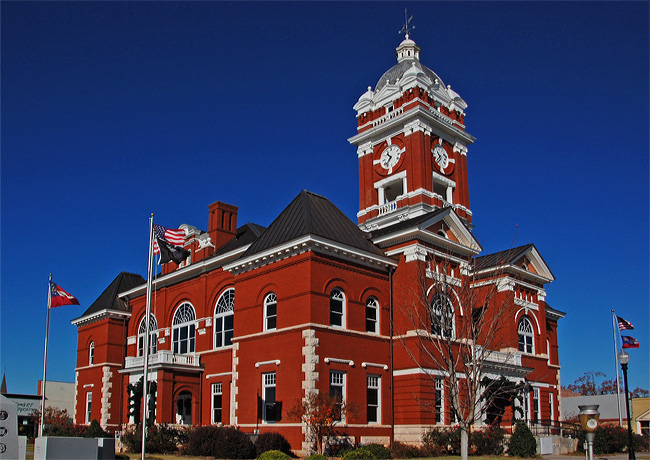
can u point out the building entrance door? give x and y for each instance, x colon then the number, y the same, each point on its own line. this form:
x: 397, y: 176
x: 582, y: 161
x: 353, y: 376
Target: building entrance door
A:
x: 184, y: 408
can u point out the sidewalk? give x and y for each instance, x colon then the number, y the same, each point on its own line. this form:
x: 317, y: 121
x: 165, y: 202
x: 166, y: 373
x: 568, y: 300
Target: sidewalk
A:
x: 639, y: 456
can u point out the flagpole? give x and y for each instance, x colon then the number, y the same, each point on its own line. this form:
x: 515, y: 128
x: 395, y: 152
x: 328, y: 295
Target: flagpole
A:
x: 618, y: 381
x: 146, y: 338
x: 47, y: 331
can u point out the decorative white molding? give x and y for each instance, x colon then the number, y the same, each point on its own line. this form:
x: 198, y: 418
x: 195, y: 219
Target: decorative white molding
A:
x: 89, y: 385
x: 382, y: 366
x: 221, y: 374
x: 349, y: 362
x: 272, y: 361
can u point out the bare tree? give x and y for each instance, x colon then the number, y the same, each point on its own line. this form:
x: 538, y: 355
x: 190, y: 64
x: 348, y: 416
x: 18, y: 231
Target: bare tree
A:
x: 454, y: 323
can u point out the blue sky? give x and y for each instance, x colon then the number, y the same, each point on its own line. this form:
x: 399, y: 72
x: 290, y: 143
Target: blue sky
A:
x: 112, y: 111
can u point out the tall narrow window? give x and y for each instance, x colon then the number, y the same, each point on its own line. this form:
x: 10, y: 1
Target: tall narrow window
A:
x: 373, y: 399
x: 217, y: 402
x: 442, y: 315
x: 142, y: 331
x: 552, y: 409
x: 270, y: 312
x: 525, y: 331
x: 440, y: 400
x: 224, y: 319
x: 337, y: 308
x: 91, y: 354
x: 184, y: 329
x: 372, y: 315
x: 337, y: 391
x: 536, y: 405
x: 268, y: 403
x: 89, y: 401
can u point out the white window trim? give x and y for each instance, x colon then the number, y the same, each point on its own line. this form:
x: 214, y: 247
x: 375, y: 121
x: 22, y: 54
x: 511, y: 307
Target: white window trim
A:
x: 267, y: 301
x: 382, y: 184
x: 525, y: 334
x: 178, y: 326
x: 222, y: 315
x: 91, y: 353
x: 451, y: 186
x: 89, y: 400
x: 376, y: 308
x: 440, y: 386
x: 378, y: 388
x: 343, y: 386
x: 153, y: 329
x: 217, y: 389
x: 344, y: 308
x: 266, y: 385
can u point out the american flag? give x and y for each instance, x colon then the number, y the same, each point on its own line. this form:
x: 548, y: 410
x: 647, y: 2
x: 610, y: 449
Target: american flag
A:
x: 175, y: 236
x: 623, y: 324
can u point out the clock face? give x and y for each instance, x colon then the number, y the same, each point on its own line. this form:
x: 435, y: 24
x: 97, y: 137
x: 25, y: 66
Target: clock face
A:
x: 441, y: 158
x: 592, y: 423
x: 390, y: 156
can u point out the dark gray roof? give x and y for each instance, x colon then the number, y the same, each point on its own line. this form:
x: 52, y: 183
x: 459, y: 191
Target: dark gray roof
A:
x: 246, y: 234
x: 414, y: 222
x: 108, y: 299
x: 502, y: 257
x: 311, y: 214
x: 396, y: 72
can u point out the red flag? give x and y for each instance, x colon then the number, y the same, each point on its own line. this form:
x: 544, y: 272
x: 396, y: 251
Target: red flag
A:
x: 60, y: 297
x: 629, y: 342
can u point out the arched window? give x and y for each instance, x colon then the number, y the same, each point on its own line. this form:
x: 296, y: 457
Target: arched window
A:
x: 184, y: 329
x: 224, y: 316
x: 372, y: 315
x: 91, y: 354
x: 270, y: 312
x: 442, y: 315
x: 525, y: 331
x: 142, y: 331
x: 337, y: 308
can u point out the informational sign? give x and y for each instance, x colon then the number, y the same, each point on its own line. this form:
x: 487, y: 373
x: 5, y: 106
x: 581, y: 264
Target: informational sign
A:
x: 8, y: 429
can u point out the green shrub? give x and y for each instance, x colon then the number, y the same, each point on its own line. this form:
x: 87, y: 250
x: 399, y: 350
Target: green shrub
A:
x: 378, y: 451
x: 219, y: 442
x: 641, y: 443
x: 272, y: 441
x: 522, y: 442
x: 488, y: 441
x: 438, y: 441
x: 401, y: 450
x: 161, y: 439
x: 94, y: 430
x: 273, y: 455
x: 360, y: 453
x: 609, y: 439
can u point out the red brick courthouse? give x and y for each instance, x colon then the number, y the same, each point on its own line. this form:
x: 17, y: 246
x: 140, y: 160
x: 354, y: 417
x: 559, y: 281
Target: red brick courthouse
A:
x: 259, y: 317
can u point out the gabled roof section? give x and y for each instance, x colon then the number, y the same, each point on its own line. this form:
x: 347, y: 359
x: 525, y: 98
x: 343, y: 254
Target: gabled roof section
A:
x: 108, y: 299
x: 519, y: 257
x: 422, y: 225
x: 246, y: 234
x: 312, y: 214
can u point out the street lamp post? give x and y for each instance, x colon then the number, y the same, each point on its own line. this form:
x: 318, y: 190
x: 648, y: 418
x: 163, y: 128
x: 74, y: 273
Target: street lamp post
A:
x: 624, y: 358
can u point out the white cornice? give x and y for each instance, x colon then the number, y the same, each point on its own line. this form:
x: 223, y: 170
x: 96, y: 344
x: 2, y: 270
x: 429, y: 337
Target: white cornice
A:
x: 309, y: 243
x: 101, y: 314
x: 182, y: 274
x: 431, y: 117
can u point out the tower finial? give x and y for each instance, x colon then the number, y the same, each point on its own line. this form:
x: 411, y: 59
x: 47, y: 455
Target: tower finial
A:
x: 407, y: 21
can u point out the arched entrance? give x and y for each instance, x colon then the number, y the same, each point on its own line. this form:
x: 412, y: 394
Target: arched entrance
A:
x: 184, y: 408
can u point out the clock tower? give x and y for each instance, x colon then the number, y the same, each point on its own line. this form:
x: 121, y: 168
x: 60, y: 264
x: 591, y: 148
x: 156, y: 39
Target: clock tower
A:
x: 411, y: 144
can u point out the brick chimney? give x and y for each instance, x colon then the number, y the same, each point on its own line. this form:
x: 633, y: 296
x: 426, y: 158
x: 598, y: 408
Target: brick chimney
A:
x: 222, y: 223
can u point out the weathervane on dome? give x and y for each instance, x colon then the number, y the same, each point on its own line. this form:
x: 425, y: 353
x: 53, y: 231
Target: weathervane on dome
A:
x: 407, y: 21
